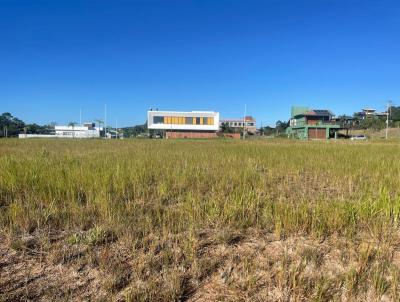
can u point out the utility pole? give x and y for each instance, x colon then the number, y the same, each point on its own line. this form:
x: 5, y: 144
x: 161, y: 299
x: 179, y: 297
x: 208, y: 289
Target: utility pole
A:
x: 116, y: 128
x: 105, y: 120
x: 80, y: 117
x: 389, y: 103
x: 244, y: 121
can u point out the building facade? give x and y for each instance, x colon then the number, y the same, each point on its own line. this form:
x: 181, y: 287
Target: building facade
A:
x: 248, y: 123
x: 87, y: 130
x: 180, y: 124
x: 308, y: 123
x: 370, y: 112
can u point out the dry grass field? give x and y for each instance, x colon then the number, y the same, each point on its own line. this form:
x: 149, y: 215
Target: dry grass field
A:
x: 193, y: 220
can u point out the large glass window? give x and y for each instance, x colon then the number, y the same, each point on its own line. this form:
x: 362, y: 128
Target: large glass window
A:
x: 158, y: 120
x: 181, y: 120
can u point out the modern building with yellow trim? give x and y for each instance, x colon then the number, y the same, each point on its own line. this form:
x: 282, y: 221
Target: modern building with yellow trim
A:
x: 192, y: 121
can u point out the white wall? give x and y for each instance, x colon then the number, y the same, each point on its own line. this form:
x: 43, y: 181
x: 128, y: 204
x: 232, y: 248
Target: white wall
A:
x: 36, y: 135
x: 78, y: 134
x: 66, y: 132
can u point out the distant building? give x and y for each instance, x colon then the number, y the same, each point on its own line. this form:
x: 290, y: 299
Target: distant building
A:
x: 87, y: 130
x: 188, y: 124
x: 248, y: 123
x: 308, y: 123
x: 369, y: 112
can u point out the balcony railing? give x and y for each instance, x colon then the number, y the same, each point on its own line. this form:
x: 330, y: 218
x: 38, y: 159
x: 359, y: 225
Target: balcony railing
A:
x: 313, y: 123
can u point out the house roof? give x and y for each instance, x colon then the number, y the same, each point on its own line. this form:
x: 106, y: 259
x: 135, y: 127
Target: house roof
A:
x: 316, y: 112
x: 322, y: 112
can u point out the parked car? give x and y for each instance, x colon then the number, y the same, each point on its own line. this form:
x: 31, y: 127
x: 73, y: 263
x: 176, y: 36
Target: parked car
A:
x: 358, y: 137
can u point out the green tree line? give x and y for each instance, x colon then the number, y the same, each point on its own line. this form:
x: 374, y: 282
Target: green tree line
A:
x: 11, y: 126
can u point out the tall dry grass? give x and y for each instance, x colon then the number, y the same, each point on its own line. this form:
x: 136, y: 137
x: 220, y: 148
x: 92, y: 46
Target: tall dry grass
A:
x: 175, y: 186
x: 140, y: 188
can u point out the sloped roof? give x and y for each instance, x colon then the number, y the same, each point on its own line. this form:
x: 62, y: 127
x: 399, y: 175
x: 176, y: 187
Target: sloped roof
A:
x: 322, y: 112
x: 316, y: 112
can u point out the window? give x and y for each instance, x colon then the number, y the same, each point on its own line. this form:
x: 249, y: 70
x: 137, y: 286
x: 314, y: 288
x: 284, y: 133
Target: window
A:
x: 189, y: 121
x: 197, y: 121
x: 205, y: 120
x: 158, y: 120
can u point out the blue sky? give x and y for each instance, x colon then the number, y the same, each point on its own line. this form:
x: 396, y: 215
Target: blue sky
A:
x: 59, y: 56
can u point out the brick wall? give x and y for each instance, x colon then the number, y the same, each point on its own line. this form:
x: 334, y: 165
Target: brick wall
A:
x: 190, y: 134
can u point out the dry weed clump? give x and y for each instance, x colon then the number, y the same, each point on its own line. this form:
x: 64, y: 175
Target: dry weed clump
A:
x: 142, y: 220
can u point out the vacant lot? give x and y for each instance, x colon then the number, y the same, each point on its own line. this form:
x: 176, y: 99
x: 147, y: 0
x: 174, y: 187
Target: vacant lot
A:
x: 214, y: 220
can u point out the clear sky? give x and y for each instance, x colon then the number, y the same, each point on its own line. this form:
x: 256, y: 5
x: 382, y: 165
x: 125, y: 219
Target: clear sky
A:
x: 57, y: 57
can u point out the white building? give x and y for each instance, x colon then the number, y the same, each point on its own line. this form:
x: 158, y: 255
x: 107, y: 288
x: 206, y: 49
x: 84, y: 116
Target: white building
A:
x: 248, y: 123
x: 179, y: 124
x: 186, y: 121
x: 88, y: 130
x: 372, y: 112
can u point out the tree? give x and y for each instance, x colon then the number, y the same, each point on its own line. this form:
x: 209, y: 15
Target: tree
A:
x: 372, y: 123
x: 268, y: 131
x: 99, y: 122
x: 135, y: 130
x: 225, y: 128
x: 72, y: 124
x: 394, y: 113
x: 281, y: 126
x: 37, y: 129
x: 10, y: 125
